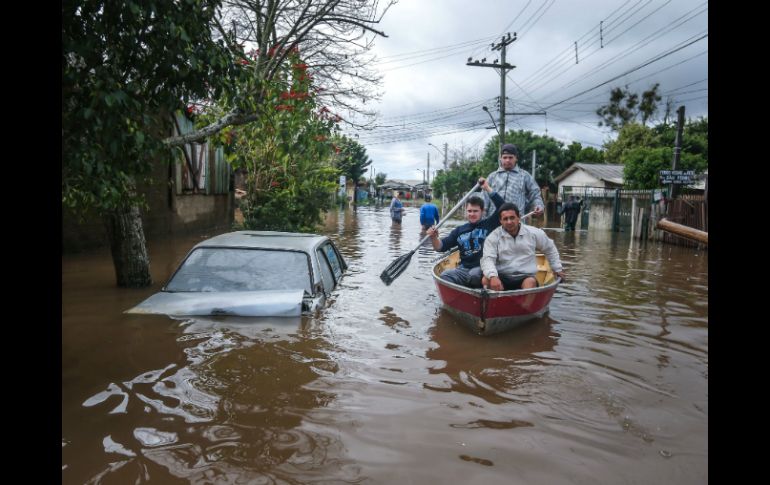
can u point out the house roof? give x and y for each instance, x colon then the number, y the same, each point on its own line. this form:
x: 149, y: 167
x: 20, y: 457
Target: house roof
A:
x: 602, y: 171
x: 400, y: 183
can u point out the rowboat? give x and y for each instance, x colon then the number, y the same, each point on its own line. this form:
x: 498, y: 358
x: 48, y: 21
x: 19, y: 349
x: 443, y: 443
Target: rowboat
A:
x: 487, y: 312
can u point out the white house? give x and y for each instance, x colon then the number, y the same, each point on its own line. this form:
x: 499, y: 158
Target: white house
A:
x: 591, y: 175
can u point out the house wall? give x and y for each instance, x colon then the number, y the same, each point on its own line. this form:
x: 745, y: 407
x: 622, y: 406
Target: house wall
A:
x: 580, y: 178
x: 600, y: 214
x: 167, y: 214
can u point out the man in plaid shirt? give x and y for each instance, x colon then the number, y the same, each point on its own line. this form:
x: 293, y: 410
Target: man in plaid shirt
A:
x: 514, y: 184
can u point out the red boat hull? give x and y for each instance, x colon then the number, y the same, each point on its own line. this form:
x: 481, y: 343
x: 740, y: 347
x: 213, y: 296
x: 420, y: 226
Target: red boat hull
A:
x: 487, y: 312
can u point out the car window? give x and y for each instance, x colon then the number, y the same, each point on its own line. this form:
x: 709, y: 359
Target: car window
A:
x: 334, y: 261
x: 326, y: 272
x: 240, y: 269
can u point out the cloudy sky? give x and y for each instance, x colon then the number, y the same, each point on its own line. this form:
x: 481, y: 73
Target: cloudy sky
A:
x: 431, y: 96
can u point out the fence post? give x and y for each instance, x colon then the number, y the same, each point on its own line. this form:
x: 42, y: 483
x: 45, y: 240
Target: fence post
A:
x: 615, y: 211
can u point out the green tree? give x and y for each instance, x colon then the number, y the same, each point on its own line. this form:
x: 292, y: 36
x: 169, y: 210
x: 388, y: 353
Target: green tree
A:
x: 126, y: 66
x: 642, y: 165
x: 694, y: 136
x: 287, y: 155
x: 458, y: 179
x: 630, y: 136
x: 380, y: 178
x: 351, y: 159
x: 626, y: 107
x: 636, y: 141
x: 576, y: 153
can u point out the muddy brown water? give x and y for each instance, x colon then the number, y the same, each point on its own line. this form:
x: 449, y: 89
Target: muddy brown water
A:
x: 383, y: 386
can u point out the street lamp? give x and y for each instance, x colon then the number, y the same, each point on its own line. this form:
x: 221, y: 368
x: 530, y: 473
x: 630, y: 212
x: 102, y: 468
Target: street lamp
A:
x: 493, y: 120
x: 499, y: 136
x: 443, y: 192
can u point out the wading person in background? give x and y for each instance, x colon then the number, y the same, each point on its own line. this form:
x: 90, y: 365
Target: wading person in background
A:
x: 428, y: 215
x: 469, y: 238
x: 509, y: 261
x: 514, y: 183
x: 396, y: 208
x: 571, y: 211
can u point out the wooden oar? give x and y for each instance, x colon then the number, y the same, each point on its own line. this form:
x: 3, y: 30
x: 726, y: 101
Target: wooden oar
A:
x: 400, y: 264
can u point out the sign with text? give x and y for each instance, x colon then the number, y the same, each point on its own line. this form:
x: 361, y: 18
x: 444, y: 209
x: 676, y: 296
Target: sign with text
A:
x: 677, y: 176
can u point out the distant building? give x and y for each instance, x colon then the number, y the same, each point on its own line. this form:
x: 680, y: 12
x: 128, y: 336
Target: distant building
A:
x: 602, y: 175
x: 408, y: 187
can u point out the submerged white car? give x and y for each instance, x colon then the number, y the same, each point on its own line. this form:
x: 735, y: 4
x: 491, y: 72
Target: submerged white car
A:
x: 251, y: 274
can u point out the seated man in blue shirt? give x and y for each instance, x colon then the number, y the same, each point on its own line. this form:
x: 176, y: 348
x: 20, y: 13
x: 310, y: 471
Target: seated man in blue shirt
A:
x: 469, y: 238
x: 428, y: 215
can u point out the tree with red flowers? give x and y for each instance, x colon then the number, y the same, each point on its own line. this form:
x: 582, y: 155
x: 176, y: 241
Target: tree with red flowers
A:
x: 333, y: 38
x: 286, y: 155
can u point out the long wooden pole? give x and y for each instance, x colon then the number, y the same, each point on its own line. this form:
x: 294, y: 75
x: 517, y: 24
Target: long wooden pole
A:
x: 683, y: 231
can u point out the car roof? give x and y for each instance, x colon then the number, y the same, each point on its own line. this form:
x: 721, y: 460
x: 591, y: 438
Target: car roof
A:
x: 266, y: 240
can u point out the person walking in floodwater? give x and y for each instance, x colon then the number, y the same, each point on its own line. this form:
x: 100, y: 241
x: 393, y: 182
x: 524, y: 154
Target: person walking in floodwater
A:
x: 396, y: 208
x: 428, y: 215
x: 571, y: 211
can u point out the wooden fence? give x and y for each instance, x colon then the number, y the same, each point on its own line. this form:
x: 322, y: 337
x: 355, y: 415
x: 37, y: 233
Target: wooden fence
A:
x: 690, y: 211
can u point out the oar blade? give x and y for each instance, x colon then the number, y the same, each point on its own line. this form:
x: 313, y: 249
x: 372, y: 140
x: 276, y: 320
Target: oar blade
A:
x: 395, y: 268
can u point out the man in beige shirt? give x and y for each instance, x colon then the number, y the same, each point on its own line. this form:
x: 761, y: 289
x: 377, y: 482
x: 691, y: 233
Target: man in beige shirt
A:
x: 508, y: 261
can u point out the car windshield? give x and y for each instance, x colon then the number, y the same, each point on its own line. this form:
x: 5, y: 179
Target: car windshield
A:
x: 239, y: 269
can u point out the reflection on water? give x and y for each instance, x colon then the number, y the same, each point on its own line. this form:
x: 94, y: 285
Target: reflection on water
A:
x: 609, y: 387
x: 495, y: 370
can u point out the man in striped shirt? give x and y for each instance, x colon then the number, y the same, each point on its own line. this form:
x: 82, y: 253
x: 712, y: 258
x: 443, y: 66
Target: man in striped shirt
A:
x: 514, y: 184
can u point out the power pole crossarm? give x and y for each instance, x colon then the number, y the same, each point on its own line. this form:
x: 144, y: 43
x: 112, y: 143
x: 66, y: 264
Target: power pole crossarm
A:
x: 503, y: 67
x: 486, y: 64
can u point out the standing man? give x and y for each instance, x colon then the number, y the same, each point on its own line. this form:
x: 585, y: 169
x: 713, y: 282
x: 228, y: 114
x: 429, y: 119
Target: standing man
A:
x: 469, y: 239
x: 396, y: 208
x: 428, y: 215
x: 509, y: 261
x: 514, y: 183
x: 571, y: 211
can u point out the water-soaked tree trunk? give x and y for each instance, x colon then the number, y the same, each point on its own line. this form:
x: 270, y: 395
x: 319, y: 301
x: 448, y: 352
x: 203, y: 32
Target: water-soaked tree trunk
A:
x: 129, y: 249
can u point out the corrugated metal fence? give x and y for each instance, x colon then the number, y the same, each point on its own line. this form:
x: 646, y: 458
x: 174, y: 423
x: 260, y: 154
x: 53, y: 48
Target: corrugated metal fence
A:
x: 202, y: 168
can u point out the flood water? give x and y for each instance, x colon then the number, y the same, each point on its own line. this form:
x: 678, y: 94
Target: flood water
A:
x: 383, y: 386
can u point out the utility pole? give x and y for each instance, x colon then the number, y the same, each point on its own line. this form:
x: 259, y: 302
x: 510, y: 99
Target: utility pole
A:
x: 428, y: 172
x: 503, y: 69
x: 534, y: 161
x: 372, y: 188
x: 677, y: 144
x: 446, y: 149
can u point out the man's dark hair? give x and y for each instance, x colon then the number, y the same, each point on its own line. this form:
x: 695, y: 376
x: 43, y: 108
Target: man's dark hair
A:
x: 476, y: 200
x: 508, y: 206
